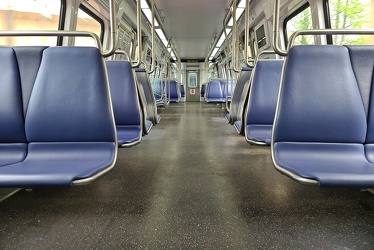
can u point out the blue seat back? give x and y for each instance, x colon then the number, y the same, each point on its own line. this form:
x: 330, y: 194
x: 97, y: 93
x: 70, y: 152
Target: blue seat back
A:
x: 239, y: 97
x: 147, y: 97
x: 263, y: 94
x: 11, y: 111
x: 124, y: 93
x: 362, y: 59
x: 69, y: 102
x: 174, y: 91
x: 202, y: 90
x: 223, y: 87
x: 29, y: 59
x: 183, y: 90
x: 157, y: 88
x: 214, y: 91
x: 319, y: 98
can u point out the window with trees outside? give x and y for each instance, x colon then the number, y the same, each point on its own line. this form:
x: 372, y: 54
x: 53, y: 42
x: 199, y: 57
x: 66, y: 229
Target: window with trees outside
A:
x: 351, y: 14
x: 300, y: 20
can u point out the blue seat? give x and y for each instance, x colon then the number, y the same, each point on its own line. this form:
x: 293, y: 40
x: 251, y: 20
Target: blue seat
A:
x: 262, y: 101
x: 13, y: 143
x: 147, y: 124
x: 239, y: 97
x: 143, y: 79
x: 183, y: 90
x: 231, y: 85
x: 126, y: 106
x: 323, y: 129
x: 202, y: 90
x: 68, y: 130
x: 214, y: 91
x: 157, y: 88
x: 175, y: 94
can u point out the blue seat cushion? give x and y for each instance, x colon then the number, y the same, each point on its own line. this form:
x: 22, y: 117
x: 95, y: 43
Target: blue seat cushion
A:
x: 228, y: 117
x: 58, y: 164
x: 128, y: 135
x: 238, y: 126
x: 259, y: 133
x: 212, y: 99
x: 331, y: 164
x: 172, y: 99
x: 12, y: 153
x: 369, y: 151
x: 148, y: 125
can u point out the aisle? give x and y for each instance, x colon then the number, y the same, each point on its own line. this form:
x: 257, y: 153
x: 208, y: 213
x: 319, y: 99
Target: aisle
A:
x: 192, y: 183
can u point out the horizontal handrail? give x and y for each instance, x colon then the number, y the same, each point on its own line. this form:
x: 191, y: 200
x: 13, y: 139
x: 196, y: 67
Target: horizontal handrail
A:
x: 328, y: 32
x: 53, y: 33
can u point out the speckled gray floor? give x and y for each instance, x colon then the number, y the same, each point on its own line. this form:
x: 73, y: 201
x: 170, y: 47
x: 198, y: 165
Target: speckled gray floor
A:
x: 192, y: 183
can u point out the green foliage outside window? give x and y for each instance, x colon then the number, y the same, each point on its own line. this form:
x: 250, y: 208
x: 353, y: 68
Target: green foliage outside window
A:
x: 349, y: 14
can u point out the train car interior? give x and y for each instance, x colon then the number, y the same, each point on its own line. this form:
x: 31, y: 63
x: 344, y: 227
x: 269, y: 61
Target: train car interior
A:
x: 159, y: 124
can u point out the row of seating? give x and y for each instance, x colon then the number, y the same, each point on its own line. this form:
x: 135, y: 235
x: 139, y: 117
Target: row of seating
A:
x: 215, y: 90
x: 57, y: 125
x: 318, y: 117
x: 61, y: 121
x: 254, y: 101
x: 262, y: 101
x: 148, y: 101
x: 160, y: 89
x: 239, y: 98
x: 324, y: 126
x: 175, y: 93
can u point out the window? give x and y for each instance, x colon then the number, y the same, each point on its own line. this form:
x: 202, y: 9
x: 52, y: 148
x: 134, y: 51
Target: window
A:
x: 88, y: 21
x: 261, y: 38
x: 351, y: 14
x: 300, y: 20
x: 192, y: 80
x: 30, y: 15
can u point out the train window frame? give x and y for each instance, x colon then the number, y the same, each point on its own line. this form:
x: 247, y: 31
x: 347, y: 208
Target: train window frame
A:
x: 290, y: 17
x: 61, y: 21
x: 327, y: 16
x: 89, y: 12
x: 192, y: 84
x: 329, y: 21
x: 60, y: 24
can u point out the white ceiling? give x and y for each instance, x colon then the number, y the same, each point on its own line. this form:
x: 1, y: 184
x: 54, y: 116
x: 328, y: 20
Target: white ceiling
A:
x: 192, y: 24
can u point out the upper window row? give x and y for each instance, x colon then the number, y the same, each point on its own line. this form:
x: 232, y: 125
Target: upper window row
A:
x: 344, y: 14
x: 43, y: 15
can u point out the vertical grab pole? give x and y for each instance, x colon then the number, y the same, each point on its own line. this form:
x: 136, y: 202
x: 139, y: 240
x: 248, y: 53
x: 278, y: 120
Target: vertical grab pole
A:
x: 227, y: 58
x: 153, y: 38
x: 234, y: 38
x: 139, y: 32
x: 276, y: 47
x: 246, y: 34
x: 169, y: 45
x: 113, y: 29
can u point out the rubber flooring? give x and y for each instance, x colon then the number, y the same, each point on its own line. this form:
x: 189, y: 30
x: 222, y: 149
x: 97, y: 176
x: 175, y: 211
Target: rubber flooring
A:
x: 192, y: 183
